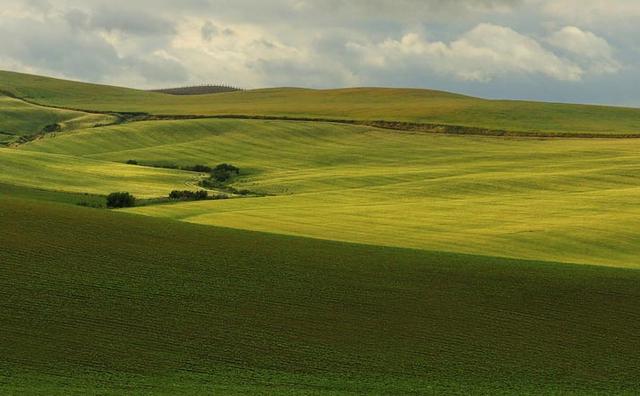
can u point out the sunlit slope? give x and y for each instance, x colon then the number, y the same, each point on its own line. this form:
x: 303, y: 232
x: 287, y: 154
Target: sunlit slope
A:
x: 126, y: 304
x: 18, y: 118
x: 413, y: 105
x: 562, y: 200
x: 84, y: 175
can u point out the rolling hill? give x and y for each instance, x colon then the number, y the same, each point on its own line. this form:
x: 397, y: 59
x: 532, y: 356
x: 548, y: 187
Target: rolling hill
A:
x: 573, y: 200
x: 377, y: 259
x: 197, y: 90
x: 408, y: 105
x: 19, y: 119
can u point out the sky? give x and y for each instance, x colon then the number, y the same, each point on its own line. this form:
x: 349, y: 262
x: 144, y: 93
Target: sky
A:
x: 583, y: 51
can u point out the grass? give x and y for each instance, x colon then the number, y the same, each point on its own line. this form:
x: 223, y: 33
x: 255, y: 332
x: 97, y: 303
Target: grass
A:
x: 114, y: 303
x: 18, y: 118
x: 18, y: 192
x: 439, y: 300
x: 411, y: 105
x: 83, y: 175
x: 570, y: 200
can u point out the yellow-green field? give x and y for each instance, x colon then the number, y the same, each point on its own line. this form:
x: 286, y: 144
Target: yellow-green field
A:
x: 84, y: 175
x: 18, y: 118
x: 412, y: 105
x: 571, y: 200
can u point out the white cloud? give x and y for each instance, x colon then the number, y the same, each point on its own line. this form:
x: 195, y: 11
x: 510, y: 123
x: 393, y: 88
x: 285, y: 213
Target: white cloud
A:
x: 482, y: 54
x: 523, y: 49
x: 57, y: 45
x: 606, y: 13
x: 592, y: 51
x: 250, y: 56
x: 404, y: 10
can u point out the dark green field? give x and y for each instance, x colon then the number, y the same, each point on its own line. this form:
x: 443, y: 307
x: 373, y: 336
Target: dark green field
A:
x: 121, y: 303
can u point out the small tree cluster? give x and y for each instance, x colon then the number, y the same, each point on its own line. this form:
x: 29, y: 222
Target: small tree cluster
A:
x: 120, y: 200
x: 189, y: 195
x: 224, y: 172
x: 132, y: 162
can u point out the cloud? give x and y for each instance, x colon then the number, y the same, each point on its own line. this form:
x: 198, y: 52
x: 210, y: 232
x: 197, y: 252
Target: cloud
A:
x: 498, y: 48
x: 404, y: 9
x: 116, y: 19
x: 482, y: 54
x: 247, y: 55
x: 208, y: 30
x: 592, y: 51
x: 594, y: 12
x: 52, y: 44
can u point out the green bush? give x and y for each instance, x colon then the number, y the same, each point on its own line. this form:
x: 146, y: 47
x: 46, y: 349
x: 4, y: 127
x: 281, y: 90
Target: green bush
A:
x: 198, y: 168
x: 120, y: 200
x: 189, y: 195
x: 224, y: 172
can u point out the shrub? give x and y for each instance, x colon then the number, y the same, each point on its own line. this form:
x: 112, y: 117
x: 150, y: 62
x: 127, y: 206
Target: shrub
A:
x: 52, y: 128
x: 200, y: 195
x: 132, y: 162
x: 189, y: 195
x: 223, y: 172
x: 210, y: 183
x: 198, y: 168
x: 120, y: 200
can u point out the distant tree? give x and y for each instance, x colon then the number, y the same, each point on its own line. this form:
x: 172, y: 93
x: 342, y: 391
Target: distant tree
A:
x: 224, y: 172
x: 120, y: 200
x: 189, y: 195
x: 132, y: 162
x: 200, y: 195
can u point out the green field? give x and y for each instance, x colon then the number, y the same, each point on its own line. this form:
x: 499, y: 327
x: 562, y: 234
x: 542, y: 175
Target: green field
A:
x: 82, y: 175
x: 18, y: 118
x: 374, y: 261
x: 412, y: 105
x: 121, y: 303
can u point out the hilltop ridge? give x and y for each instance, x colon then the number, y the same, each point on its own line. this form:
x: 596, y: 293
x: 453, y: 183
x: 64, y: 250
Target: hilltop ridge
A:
x: 359, y: 104
x: 197, y: 89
